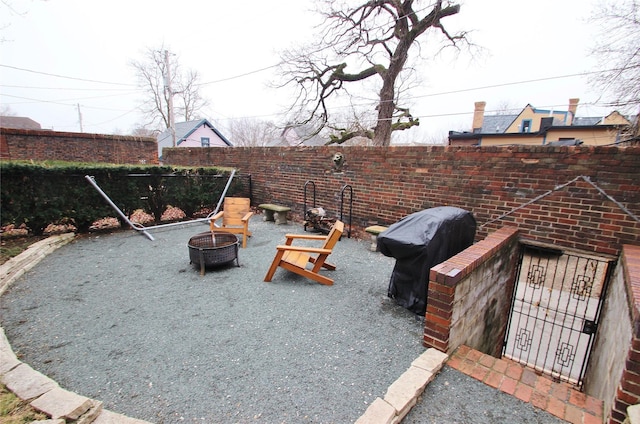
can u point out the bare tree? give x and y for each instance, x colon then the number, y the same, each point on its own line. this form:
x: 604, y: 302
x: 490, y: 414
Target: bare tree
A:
x: 5, y: 110
x: 140, y: 131
x: 163, y: 81
x: 375, y: 37
x: 250, y: 132
x: 618, y: 51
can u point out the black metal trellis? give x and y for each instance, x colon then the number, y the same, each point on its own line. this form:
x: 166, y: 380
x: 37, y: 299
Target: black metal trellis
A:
x: 342, y: 191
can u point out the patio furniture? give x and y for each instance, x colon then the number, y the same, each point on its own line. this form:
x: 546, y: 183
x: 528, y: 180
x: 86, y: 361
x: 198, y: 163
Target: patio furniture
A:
x: 296, y: 258
x: 375, y: 231
x: 275, y: 213
x: 235, y: 217
x: 418, y: 242
x: 213, y: 248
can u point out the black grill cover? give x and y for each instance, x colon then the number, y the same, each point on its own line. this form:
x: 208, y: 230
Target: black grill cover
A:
x: 420, y: 241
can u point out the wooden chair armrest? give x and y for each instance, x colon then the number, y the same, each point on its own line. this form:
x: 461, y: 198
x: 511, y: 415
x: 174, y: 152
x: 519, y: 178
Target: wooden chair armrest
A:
x: 303, y: 249
x: 305, y: 237
x: 247, y: 216
x: 217, y: 216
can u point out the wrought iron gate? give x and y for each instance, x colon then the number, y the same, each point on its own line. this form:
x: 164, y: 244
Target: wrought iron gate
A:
x: 555, y: 311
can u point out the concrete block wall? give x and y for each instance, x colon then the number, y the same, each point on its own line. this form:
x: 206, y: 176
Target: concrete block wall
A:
x: 628, y: 390
x: 469, y: 295
x: 41, y: 145
x: 521, y: 186
x: 612, y: 342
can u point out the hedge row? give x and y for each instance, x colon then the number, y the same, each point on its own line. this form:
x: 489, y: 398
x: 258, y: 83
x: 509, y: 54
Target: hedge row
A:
x: 39, y: 194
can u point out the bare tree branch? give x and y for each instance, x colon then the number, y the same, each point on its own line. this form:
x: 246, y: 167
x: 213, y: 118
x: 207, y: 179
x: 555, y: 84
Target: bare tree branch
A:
x: 151, y: 72
x: 618, y: 51
x: 374, y: 39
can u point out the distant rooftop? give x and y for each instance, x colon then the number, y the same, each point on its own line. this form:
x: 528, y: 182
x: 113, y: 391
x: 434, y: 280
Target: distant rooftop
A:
x: 19, y: 122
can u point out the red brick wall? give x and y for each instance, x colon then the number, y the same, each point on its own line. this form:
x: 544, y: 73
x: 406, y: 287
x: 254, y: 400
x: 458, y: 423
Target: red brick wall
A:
x: 390, y: 183
x: 488, y: 266
x: 39, y: 145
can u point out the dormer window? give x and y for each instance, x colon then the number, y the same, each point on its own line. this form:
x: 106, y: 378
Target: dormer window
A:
x: 526, y: 126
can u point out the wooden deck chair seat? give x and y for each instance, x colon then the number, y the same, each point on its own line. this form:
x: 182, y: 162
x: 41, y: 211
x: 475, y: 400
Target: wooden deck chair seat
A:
x: 235, y: 217
x: 297, y: 258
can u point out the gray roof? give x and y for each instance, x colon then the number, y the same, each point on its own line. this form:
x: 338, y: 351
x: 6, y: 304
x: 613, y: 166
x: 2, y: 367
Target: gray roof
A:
x: 19, y: 122
x: 303, y: 136
x: 584, y: 121
x: 496, y: 124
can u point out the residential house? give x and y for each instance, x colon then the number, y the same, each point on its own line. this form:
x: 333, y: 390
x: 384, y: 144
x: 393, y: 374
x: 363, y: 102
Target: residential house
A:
x: 533, y: 126
x: 19, y: 122
x: 198, y: 133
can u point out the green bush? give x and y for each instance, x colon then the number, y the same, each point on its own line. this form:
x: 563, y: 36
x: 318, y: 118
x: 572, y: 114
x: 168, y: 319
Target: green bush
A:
x: 38, y: 194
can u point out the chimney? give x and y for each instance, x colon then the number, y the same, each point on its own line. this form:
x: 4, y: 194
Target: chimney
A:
x: 478, y: 117
x: 573, y: 106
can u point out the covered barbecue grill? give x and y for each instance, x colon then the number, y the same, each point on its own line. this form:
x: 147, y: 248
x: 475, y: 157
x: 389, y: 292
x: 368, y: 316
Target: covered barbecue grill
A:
x: 420, y: 241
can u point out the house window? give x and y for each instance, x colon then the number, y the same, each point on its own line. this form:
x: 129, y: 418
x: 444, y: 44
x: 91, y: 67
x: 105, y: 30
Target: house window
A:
x: 526, y: 126
x: 204, y: 141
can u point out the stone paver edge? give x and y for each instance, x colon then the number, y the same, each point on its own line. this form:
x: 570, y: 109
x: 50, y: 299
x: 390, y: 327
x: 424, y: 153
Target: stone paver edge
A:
x: 401, y: 396
x: 23, y: 380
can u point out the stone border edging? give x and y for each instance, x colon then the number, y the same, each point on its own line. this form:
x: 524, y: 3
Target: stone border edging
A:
x: 45, y: 394
x: 403, y: 394
x: 62, y: 405
x: 16, y: 266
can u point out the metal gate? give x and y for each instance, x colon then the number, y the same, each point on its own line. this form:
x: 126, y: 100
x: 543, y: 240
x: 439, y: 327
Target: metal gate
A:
x: 555, y: 311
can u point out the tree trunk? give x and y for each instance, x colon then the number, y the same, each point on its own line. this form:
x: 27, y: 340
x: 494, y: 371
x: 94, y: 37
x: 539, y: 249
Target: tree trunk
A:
x: 387, y: 106
x: 382, y: 131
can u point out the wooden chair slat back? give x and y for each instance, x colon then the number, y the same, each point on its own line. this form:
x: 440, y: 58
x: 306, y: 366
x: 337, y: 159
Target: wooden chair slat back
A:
x: 234, y: 209
x: 334, y: 235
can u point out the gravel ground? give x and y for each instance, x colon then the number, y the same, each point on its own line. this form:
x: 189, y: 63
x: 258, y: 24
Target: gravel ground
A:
x: 128, y: 321
x: 455, y: 398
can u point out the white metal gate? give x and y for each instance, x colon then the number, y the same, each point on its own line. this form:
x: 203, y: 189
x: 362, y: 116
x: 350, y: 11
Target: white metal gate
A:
x: 555, y: 310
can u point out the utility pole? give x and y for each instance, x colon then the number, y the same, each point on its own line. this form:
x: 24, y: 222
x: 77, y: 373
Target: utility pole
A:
x: 167, y: 87
x: 80, y: 117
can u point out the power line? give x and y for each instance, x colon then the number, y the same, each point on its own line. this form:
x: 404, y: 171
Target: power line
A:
x: 59, y: 102
x: 66, y: 77
x: 68, y: 89
x: 240, y: 75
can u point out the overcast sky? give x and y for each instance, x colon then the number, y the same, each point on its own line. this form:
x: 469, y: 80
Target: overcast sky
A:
x: 58, y: 56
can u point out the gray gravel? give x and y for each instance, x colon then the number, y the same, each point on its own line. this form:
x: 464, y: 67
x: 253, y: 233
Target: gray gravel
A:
x: 456, y: 398
x: 128, y: 321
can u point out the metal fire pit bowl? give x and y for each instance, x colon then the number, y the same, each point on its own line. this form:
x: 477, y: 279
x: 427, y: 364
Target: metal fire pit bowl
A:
x: 213, y: 248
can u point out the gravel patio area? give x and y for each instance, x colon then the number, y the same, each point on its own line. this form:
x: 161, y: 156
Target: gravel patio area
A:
x: 126, y: 320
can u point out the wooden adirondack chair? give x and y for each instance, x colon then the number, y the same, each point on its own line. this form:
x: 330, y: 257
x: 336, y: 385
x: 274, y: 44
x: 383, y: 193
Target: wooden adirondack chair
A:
x: 296, y: 258
x: 235, y: 217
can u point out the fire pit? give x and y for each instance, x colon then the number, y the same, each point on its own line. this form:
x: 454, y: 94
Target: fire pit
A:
x: 213, y: 248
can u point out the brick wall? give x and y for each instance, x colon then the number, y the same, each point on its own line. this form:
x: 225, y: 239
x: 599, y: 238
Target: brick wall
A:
x: 40, y: 145
x: 521, y: 186
x: 468, y: 304
x: 469, y: 295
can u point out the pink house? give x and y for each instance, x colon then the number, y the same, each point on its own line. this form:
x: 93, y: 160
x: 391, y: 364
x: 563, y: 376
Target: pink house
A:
x: 198, y: 133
